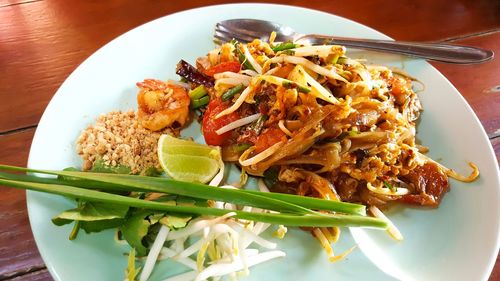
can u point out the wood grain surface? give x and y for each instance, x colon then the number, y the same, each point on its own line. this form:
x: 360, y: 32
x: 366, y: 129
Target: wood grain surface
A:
x: 43, y: 41
x: 40, y: 275
x: 479, y: 84
x: 18, y: 253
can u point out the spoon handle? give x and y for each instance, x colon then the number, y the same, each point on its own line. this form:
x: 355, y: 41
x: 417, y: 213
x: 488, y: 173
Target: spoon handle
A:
x: 430, y: 51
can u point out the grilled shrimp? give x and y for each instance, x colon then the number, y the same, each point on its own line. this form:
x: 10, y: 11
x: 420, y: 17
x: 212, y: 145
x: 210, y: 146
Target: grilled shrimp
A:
x: 161, y: 105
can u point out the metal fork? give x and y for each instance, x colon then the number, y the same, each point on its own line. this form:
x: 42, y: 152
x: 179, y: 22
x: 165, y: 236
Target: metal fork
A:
x: 246, y: 30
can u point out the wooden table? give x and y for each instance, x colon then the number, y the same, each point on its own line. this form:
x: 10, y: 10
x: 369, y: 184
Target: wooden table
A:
x: 42, y: 41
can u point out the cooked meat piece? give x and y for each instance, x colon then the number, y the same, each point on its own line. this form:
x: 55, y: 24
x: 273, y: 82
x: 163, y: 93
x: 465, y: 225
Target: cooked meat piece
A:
x: 430, y: 184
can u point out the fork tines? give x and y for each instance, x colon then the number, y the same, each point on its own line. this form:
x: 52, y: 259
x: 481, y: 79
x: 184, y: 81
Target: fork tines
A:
x: 225, y: 33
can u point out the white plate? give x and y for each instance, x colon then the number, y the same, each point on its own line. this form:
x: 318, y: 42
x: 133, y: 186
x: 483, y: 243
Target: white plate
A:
x: 457, y: 241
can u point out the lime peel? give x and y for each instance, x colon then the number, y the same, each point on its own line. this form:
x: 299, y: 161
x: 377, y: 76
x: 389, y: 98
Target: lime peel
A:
x: 187, y: 160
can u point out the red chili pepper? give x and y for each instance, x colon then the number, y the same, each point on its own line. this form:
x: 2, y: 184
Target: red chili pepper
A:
x: 232, y: 66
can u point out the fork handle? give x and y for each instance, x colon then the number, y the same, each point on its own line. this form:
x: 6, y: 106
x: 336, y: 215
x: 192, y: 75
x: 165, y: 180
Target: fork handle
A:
x: 430, y: 51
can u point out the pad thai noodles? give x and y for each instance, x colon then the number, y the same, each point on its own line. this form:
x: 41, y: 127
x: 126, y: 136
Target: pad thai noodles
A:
x: 311, y: 121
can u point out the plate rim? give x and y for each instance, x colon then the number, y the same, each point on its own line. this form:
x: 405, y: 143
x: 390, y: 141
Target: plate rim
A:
x: 29, y: 197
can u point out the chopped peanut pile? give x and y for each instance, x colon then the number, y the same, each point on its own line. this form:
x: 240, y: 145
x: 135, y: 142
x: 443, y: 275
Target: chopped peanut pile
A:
x: 118, y: 139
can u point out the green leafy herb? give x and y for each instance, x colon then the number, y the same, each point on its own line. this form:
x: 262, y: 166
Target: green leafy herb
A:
x: 259, y: 124
x: 190, y: 201
x: 199, y: 97
x: 342, y: 60
x: 93, y: 211
x: 271, y: 176
x: 152, y: 172
x: 243, y: 178
x: 100, y: 225
x: 135, y: 229
x: 175, y: 222
x: 129, y: 183
x: 288, y: 52
x: 284, y: 46
x: 231, y: 92
x: 390, y: 186
x: 74, y: 231
x: 240, y: 147
x: 198, y: 92
x: 241, y: 57
x: 294, y: 85
x: 100, y: 167
x: 200, y: 102
x: 284, y: 218
x: 342, y: 136
x: 290, y: 214
x: 92, y: 217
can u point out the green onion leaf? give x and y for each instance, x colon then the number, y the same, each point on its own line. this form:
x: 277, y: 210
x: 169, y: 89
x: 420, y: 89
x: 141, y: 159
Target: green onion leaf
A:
x: 241, y: 57
x: 74, y: 231
x: 284, y: 46
x: 233, y: 91
x: 200, y: 102
x: 288, y: 219
x: 129, y: 183
x: 240, y: 147
x: 198, y: 92
x: 389, y: 186
x: 291, y: 84
x: 259, y: 124
x: 342, y: 60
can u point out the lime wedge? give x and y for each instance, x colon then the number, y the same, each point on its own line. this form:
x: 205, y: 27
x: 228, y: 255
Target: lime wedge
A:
x: 185, y: 160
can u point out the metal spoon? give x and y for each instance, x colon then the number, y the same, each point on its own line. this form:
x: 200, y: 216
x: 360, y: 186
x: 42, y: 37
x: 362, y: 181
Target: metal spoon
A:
x: 245, y: 30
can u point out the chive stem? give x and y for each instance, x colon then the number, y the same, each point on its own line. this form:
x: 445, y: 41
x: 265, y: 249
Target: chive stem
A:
x: 307, y: 220
x: 200, y: 102
x: 284, y: 46
x: 241, y: 147
x: 231, y: 92
x: 117, y: 182
x: 292, y: 84
x: 198, y: 92
x: 241, y: 57
x: 304, y: 201
x: 74, y: 231
x: 316, y: 203
x: 162, y: 185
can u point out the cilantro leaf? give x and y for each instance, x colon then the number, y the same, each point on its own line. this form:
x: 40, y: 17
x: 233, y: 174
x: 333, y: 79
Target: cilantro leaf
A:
x: 175, y: 222
x: 92, y: 217
x: 100, y: 225
x: 135, y: 229
x: 100, y: 167
x: 92, y: 211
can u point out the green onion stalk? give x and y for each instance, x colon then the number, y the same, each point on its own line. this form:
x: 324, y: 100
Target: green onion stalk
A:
x: 231, y: 92
x: 293, y: 210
